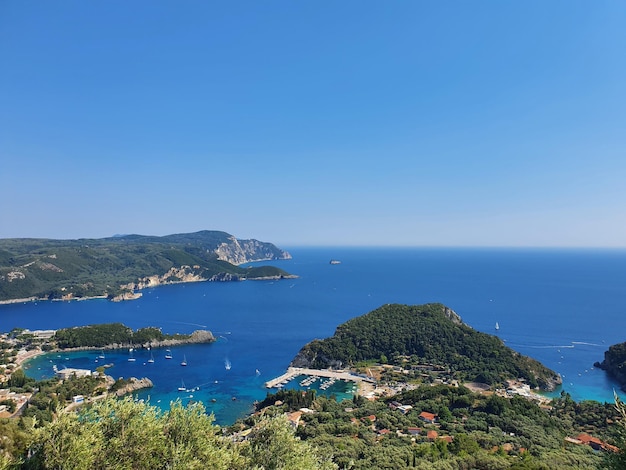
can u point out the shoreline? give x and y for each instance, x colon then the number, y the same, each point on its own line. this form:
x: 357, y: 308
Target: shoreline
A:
x: 136, y: 295
x: 22, y: 359
x: 197, y: 337
x: 44, y: 299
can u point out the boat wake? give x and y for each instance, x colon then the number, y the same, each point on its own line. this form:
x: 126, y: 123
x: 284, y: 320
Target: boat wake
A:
x: 187, y: 323
x: 536, y: 346
x: 572, y: 345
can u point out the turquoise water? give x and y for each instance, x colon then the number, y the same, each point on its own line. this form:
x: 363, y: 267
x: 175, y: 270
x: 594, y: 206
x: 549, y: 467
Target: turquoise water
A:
x: 562, y: 307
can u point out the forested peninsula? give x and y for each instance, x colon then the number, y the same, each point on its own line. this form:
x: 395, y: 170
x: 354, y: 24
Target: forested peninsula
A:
x: 117, y: 267
x: 430, y: 334
x: 118, y: 335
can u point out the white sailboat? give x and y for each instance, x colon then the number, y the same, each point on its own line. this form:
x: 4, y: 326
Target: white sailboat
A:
x: 184, y: 363
x: 151, y: 360
x: 168, y: 354
x: 131, y: 358
x: 497, y: 326
x: 182, y: 387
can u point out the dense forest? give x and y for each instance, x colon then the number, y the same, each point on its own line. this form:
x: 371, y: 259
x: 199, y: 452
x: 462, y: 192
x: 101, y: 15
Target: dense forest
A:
x: 125, y: 434
x: 55, y: 269
x: 435, y: 335
x: 110, y: 334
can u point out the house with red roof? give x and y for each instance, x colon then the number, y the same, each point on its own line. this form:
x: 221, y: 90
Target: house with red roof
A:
x: 595, y: 443
x: 428, y: 417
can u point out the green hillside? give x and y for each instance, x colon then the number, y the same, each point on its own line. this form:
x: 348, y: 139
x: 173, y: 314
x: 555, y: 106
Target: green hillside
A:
x: 46, y: 268
x: 433, y: 333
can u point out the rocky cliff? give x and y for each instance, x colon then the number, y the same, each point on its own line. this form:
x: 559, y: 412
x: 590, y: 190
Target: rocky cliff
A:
x: 133, y: 385
x: 173, y: 275
x: 615, y: 363
x: 237, y: 251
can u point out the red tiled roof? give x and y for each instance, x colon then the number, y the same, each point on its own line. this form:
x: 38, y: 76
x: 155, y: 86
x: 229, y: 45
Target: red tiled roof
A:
x: 587, y: 439
x: 594, y: 441
x: 427, y: 416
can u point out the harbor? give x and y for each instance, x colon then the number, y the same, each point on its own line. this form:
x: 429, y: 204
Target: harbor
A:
x: 332, y: 375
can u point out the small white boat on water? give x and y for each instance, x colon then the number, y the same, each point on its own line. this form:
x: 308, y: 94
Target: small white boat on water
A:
x: 497, y: 326
x: 184, y: 363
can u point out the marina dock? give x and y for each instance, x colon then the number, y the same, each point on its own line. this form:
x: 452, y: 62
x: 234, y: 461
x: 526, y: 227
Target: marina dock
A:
x: 327, y: 373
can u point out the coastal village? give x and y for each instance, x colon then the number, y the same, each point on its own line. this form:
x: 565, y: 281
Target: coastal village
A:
x: 372, y: 386
x: 22, y: 345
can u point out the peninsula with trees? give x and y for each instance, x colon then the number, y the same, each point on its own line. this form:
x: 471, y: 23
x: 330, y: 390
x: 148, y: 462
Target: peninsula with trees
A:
x: 120, y: 266
x: 428, y: 335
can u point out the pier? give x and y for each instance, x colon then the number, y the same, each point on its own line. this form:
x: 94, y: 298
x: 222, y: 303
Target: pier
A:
x: 336, y: 374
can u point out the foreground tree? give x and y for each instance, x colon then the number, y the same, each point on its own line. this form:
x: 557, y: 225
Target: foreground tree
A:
x: 272, y: 445
x: 124, y: 434
x: 617, y: 461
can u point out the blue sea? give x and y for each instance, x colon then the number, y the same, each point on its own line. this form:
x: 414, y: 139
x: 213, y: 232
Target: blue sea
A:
x: 562, y: 307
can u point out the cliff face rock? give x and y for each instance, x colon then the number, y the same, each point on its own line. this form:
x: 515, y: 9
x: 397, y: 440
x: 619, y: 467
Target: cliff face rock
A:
x: 133, y: 385
x: 237, y: 251
x: 224, y: 277
x: 173, y: 275
x: 452, y: 315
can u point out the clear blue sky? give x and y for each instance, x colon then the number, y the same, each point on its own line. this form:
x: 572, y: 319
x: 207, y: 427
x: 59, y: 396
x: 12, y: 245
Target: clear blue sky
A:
x: 482, y: 123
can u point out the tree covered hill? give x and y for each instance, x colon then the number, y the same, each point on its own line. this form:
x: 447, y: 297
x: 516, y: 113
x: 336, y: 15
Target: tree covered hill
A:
x: 46, y: 268
x: 433, y: 333
x: 111, y: 335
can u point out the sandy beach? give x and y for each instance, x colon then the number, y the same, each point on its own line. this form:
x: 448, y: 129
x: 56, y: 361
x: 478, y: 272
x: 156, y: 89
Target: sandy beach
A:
x: 23, y: 355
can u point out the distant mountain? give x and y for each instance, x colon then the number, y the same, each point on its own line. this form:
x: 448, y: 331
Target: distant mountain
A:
x: 118, y: 265
x: 432, y: 332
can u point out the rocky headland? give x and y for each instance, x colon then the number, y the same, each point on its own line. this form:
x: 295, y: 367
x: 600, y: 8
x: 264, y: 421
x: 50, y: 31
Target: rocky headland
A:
x: 614, y: 363
x: 134, y: 384
x: 197, y: 337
